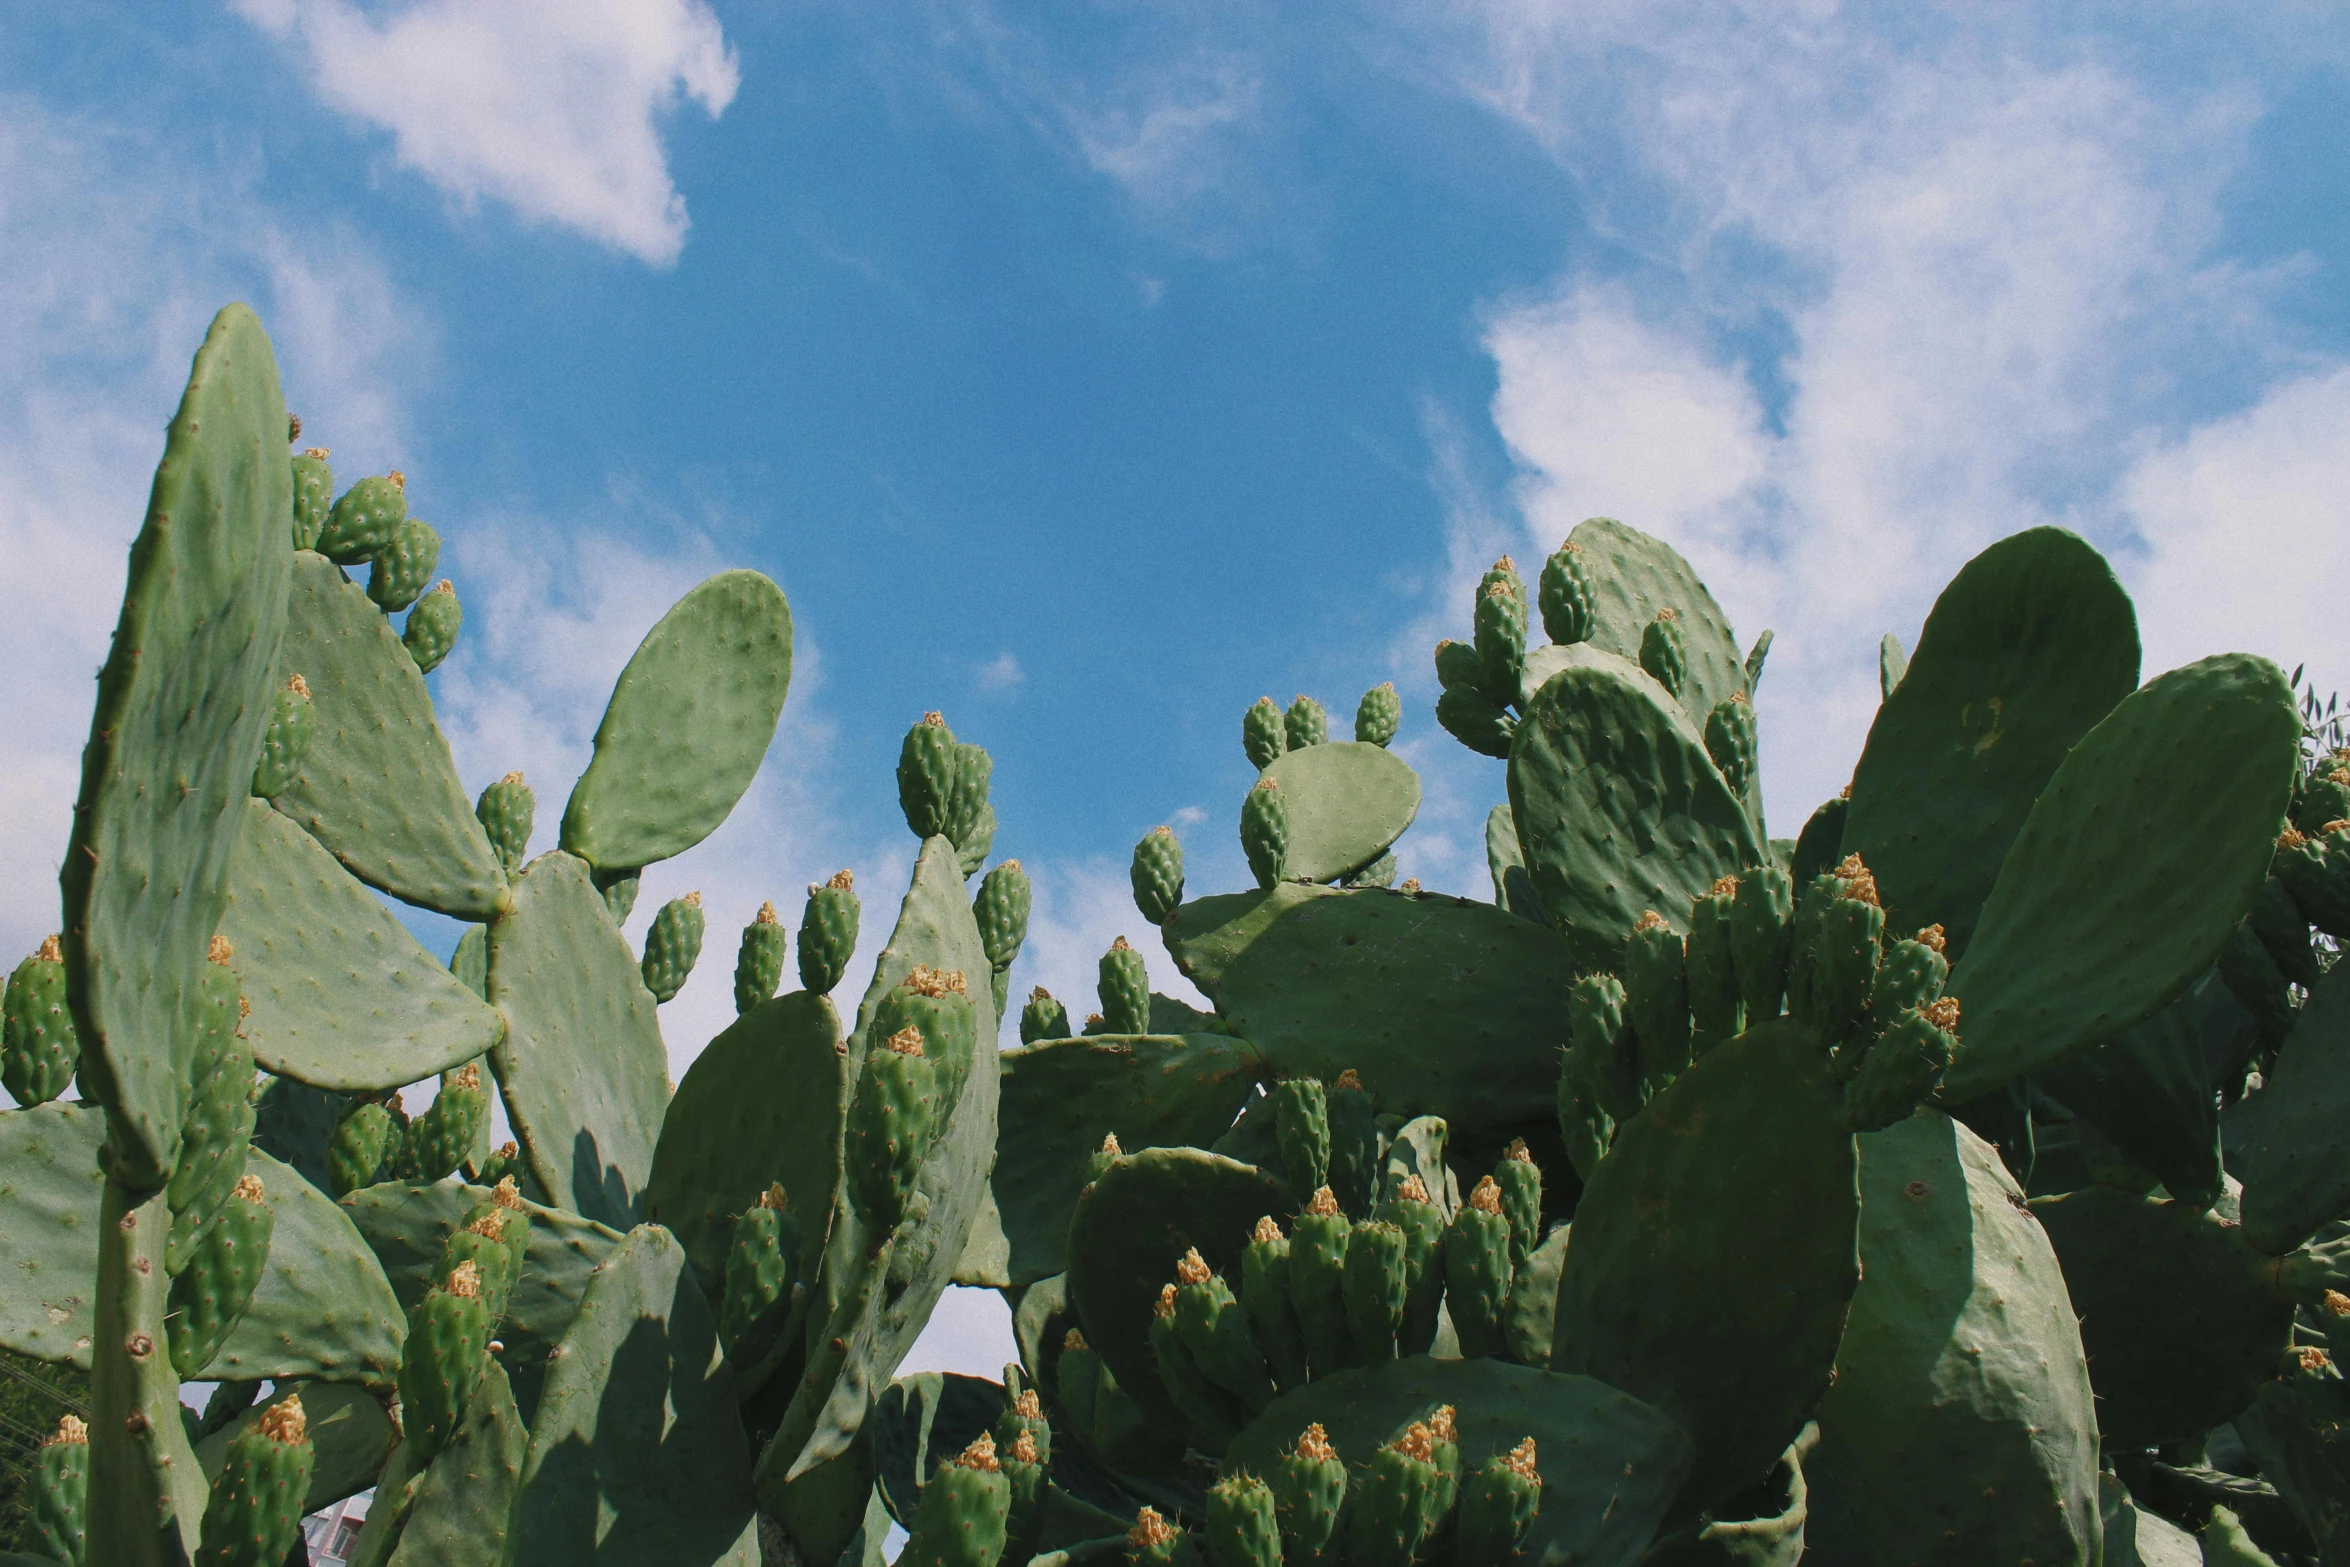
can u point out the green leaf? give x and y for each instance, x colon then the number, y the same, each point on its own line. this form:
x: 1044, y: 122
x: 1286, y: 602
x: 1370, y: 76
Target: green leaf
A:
x: 1348, y: 803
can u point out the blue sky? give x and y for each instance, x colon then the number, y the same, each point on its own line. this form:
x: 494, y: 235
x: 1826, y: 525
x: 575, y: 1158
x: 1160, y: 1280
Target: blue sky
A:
x: 1089, y: 371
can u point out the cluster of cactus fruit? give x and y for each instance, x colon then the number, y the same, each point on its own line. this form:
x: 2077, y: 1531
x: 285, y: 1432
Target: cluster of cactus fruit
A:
x: 1958, y: 1181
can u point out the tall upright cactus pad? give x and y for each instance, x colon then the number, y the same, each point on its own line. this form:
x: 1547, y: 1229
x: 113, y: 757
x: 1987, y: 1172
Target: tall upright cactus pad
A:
x: 1632, y: 576
x: 183, y: 699
x: 1620, y: 810
x: 377, y: 786
x: 2149, y: 1090
x: 2029, y: 646
x: 2294, y: 1176
x: 2084, y: 934
x: 581, y: 1064
x: 689, y: 722
x: 1348, y: 803
x: 636, y: 1454
x: 1713, y: 1254
x: 1939, y: 1452
x: 454, y: 1510
x: 342, y: 996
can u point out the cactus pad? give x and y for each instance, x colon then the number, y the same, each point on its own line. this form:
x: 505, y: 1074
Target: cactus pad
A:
x: 1348, y: 803
x: 48, y: 1247
x: 1632, y: 576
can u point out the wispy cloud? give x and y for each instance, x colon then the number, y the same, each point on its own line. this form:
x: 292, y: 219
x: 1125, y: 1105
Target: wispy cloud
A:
x: 552, y: 106
x: 1000, y: 675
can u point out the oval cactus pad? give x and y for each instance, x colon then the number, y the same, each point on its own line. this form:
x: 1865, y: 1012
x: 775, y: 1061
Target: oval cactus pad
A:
x: 1348, y: 803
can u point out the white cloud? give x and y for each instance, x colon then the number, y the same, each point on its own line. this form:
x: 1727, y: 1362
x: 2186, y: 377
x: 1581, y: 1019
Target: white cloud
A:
x: 1081, y: 906
x: 553, y: 106
x: 1000, y: 674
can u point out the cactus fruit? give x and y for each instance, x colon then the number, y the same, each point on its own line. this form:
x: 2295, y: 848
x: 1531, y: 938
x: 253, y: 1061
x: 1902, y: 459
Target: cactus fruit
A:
x: 1214, y: 1415
x: 293, y: 724
x: 2316, y: 871
x: 1272, y: 1314
x: 761, y: 1260
x: 1001, y: 909
x: 1519, y: 1181
x: 2276, y: 920
x: 1569, y: 608
x: 1459, y: 669
x: 1500, y: 632
x: 58, y: 1528
x: 1397, y: 1512
x: 1301, y: 1125
x: 1379, y: 714
x: 1375, y: 1290
x: 1472, y: 718
x: 363, y: 520
x: 1214, y: 1328
x: 1412, y: 1211
x: 504, y: 1166
x: 442, y: 1362
x: 1759, y: 937
x: 970, y: 818
x: 314, y: 495
x: 2325, y: 798
x: 619, y: 889
x: 1306, y: 723
x: 1444, y: 1451
x: 1157, y: 874
x: 965, y: 1511
x: 1664, y: 651
x: 1243, y: 1529
x: 1656, y: 989
x: 433, y: 625
x: 937, y: 1005
x: 1354, y: 1144
x: 890, y: 1124
x: 254, y: 1515
x: 218, y: 1127
x: 672, y: 943
x: 1264, y: 831
x: 494, y: 1240
x: 928, y: 768
x: 1080, y: 1374
x: 38, y: 1046
x: 1317, y: 1282
x: 1902, y: 1067
x: 507, y: 810
x: 402, y: 569
x: 1497, y: 1507
x: 1024, y: 1416
x: 1043, y: 1018
x: 1844, y: 952
x: 1309, y: 1499
x: 1024, y: 1476
x: 209, y: 1297
x: 1910, y: 974
x: 758, y: 962
x: 1602, y: 1055
x: 1264, y: 733
x: 1712, y: 967
x: 828, y: 933
x: 1125, y: 990
x: 359, y: 1148
x: 1729, y: 740
x: 440, y: 1138
x: 1154, y: 1542
x: 1477, y: 1271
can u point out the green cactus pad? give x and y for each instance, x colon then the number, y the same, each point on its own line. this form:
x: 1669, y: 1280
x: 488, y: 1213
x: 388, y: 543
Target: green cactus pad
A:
x: 1942, y: 1452
x: 293, y: 723
x: 2150, y: 1092
x: 293, y: 1122
x: 1610, y: 1465
x: 183, y: 700
x: 458, y: 1511
x: 1367, y: 978
x: 2177, y: 1313
x: 49, y: 1246
x: 1348, y: 800
x: 342, y: 995
x: 1620, y: 811
x: 761, y: 1104
x: 1713, y: 1254
x: 1632, y: 576
x: 582, y: 1066
x: 2295, y: 1178
x: 2299, y: 1433
x: 377, y: 786
x: 1062, y: 1096
x: 688, y: 724
x: 323, y: 1307
x: 2086, y: 933
x: 636, y: 1453
x: 350, y: 1433
x: 2029, y: 646
x: 1127, y: 1234
x: 922, y: 1420
x: 1513, y: 889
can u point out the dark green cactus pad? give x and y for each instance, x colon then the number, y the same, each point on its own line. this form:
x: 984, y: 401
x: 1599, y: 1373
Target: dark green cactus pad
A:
x: 688, y: 724
x: 2031, y: 644
x: 1620, y: 811
x: 293, y: 1121
x: 183, y: 699
x: 2150, y: 1091
x: 1632, y: 576
x: 1959, y: 1428
x: 1821, y: 843
x: 2086, y: 933
x: 2295, y: 1178
x: 636, y: 1452
x: 1128, y: 1232
x: 2298, y: 1431
x: 1529, y: 1318
x: 2177, y: 1313
x: 1061, y: 1097
x: 1348, y: 800
x: 1610, y: 1465
x: 1513, y: 889
x: 458, y: 1511
x: 1472, y: 718
x: 349, y: 1432
x: 581, y: 1065
x: 342, y: 995
x: 1443, y: 1006
x: 377, y: 786
x: 761, y: 1104
x: 1714, y: 1254
x: 920, y: 1422
x: 324, y: 1307
x: 51, y: 1183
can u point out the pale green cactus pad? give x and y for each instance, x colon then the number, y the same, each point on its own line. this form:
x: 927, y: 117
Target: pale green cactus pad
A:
x: 1349, y: 801
x: 324, y: 1307
x: 49, y: 1246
